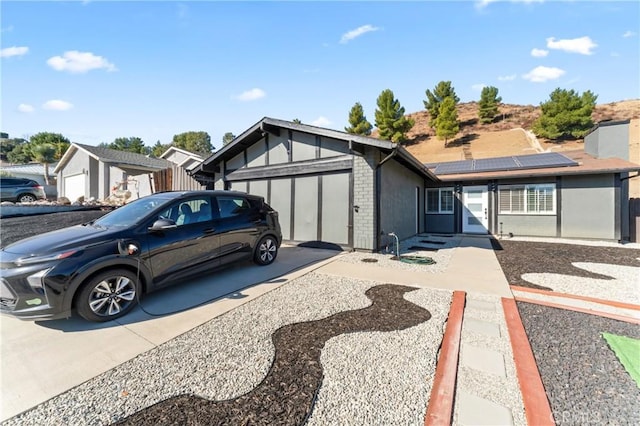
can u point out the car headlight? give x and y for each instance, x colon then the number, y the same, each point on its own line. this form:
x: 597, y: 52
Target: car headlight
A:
x: 45, y: 258
x: 36, y: 281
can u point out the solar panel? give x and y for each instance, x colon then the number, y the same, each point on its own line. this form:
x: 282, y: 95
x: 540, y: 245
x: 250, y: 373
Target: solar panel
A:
x: 548, y: 159
x: 519, y: 162
x: 454, y: 167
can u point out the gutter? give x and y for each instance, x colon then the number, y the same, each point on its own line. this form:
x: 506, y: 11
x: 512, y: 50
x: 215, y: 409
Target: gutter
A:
x: 629, y: 177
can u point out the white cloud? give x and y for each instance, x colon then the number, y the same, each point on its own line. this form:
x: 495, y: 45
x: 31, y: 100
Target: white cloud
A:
x: 321, y: 122
x: 481, y: 4
x: 348, y: 36
x: 539, y: 53
x: 582, y: 45
x: 26, y: 108
x: 250, y: 95
x: 57, y: 105
x: 628, y: 34
x: 8, y: 52
x: 478, y: 87
x: 543, y: 74
x: 507, y: 77
x: 79, y: 62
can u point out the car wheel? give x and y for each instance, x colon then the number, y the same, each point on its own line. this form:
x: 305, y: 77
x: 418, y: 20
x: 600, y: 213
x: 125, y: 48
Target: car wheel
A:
x: 266, y: 251
x: 108, y: 296
x: 26, y: 198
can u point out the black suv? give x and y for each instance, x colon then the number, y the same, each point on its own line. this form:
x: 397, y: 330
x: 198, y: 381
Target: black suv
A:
x: 20, y: 190
x: 101, y: 268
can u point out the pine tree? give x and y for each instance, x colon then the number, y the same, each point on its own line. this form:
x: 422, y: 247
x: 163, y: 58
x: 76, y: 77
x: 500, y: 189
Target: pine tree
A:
x: 358, y: 121
x: 390, y: 120
x: 565, y: 115
x: 435, y: 98
x: 447, y: 124
x: 488, y: 105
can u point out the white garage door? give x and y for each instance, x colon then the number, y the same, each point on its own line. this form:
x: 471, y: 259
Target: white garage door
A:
x: 74, y: 186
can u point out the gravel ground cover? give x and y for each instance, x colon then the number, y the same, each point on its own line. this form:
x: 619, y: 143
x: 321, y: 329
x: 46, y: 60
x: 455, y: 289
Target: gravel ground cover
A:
x: 376, y: 369
x: 583, y: 379
x: 518, y: 258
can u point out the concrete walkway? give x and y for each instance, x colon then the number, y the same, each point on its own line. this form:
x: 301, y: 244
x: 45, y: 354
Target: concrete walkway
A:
x: 487, y: 389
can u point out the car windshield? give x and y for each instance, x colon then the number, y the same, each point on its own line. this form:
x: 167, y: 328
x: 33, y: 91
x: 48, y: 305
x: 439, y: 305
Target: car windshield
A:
x: 131, y: 213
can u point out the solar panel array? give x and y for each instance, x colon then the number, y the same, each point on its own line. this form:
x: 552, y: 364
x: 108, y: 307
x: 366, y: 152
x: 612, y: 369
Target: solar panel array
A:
x: 518, y: 162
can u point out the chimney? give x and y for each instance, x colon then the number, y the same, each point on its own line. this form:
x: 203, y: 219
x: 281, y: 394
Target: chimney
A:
x: 608, y: 139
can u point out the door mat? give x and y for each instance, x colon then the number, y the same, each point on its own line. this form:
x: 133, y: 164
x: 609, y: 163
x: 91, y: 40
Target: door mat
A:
x: 432, y: 242
x: 422, y: 248
x: 627, y: 350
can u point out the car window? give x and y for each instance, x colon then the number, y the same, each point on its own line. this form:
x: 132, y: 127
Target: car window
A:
x: 131, y: 213
x: 195, y: 210
x: 230, y: 206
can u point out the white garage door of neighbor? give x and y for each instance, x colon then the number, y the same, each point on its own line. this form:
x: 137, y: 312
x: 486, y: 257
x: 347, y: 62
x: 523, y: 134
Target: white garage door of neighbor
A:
x: 74, y: 186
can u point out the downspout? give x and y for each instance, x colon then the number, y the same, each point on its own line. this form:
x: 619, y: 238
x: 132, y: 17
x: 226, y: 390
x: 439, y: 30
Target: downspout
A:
x: 378, y: 188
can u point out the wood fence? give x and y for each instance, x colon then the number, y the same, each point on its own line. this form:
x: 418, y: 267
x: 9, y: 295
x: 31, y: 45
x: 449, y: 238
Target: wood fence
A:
x: 174, y: 179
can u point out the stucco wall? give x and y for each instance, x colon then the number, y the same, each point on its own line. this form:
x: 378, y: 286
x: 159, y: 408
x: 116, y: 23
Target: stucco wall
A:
x: 588, y: 207
x: 527, y: 225
x: 398, y: 210
x: 608, y: 141
x: 440, y: 223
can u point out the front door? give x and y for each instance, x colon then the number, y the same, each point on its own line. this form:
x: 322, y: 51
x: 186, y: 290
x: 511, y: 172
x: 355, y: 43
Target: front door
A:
x: 475, y: 214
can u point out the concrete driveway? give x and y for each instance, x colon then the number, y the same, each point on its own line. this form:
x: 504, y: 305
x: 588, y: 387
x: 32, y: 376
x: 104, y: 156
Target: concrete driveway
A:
x: 40, y: 360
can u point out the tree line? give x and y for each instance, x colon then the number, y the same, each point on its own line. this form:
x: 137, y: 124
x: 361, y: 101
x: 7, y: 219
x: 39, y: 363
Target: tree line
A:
x: 565, y: 115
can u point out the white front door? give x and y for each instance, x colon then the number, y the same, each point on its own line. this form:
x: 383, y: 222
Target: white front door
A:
x: 475, y: 210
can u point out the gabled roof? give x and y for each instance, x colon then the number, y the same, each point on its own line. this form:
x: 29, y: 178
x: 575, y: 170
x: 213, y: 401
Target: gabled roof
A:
x: 584, y: 164
x: 272, y: 125
x: 191, y: 161
x: 114, y: 157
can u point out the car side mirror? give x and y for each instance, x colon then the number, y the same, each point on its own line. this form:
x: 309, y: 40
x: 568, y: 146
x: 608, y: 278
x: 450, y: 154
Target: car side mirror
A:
x: 162, y: 225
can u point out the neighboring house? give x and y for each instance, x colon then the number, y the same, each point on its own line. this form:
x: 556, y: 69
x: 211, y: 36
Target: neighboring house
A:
x: 92, y: 172
x: 326, y: 185
x: 353, y: 191
x: 573, y: 194
x: 33, y: 171
x: 177, y: 177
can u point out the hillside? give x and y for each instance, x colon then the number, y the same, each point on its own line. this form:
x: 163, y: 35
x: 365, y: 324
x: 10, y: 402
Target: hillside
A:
x: 508, y: 135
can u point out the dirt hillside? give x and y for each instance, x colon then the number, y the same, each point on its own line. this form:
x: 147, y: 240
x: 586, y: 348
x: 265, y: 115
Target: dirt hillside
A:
x: 509, y: 134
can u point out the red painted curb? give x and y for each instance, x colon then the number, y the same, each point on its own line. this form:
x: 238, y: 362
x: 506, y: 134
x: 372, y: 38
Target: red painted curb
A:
x: 536, y: 404
x: 440, y: 408
x: 613, y: 303
x: 581, y: 310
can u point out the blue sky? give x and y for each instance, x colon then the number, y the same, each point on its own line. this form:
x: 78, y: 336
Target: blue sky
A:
x: 95, y: 70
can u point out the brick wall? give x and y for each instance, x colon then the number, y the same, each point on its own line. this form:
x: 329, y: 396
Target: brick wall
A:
x: 364, y: 187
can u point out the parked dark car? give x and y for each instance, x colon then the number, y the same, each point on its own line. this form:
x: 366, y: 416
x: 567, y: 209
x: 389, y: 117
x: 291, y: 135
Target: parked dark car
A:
x: 101, y: 268
x: 20, y: 190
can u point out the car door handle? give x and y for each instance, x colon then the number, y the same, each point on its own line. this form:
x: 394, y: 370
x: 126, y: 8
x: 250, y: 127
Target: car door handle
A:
x: 209, y: 231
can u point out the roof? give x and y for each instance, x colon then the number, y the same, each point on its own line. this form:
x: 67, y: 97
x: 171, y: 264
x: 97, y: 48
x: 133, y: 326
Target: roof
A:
x: 114, y: 157
x: 192, y: 159
x: 267, y: 124
x: 586, y: 164
x: 27, y: 169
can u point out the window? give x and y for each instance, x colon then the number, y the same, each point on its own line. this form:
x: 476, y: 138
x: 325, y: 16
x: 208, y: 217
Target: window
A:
x: 440, y: 200
x: 527, y: 199
x: 232, y: 206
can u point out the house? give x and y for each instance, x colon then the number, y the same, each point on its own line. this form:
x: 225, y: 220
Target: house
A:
x: 182, y: 158
x: 353, y: 191
x: 93, y: 172
x: 33, y: 171
x: 326, y: 185
x: 574, y: 194
x: 177, y: 177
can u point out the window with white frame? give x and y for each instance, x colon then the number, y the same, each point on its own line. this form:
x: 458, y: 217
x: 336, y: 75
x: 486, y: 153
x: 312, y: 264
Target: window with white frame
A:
x: 527, y: 199
x: 439, y: 200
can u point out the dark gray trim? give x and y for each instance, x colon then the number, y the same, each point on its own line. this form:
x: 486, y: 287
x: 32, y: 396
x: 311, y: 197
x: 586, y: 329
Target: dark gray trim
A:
x: 331, y: 164
x: 319, y: 230
x: 318, y: 145
x: 266, y: 153
x: 292, y: 210
x: 290, y: 150
x: 350, y: 223
x: 245, y: 158
x: 617, y: 198
x: 268, y: 128
x: 378, y: 184
x: 268, y: 191
x: 559, y: 206
x: 457, y: 211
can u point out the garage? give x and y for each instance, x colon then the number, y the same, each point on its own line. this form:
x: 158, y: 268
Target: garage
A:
x: 326, y: 185
x: 74, y: 186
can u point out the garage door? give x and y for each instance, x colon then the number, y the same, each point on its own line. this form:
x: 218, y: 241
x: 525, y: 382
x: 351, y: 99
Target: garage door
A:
x: 310, y: 208
x: 74, y: 186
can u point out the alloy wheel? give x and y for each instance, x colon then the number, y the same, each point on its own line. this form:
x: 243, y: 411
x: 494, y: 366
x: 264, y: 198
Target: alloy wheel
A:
x: 111, y: 296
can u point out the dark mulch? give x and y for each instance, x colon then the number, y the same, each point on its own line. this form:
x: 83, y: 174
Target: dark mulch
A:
x: 16, y: 228
x: 521, y: 257
x: 287, y: 394
x: 584, y: 381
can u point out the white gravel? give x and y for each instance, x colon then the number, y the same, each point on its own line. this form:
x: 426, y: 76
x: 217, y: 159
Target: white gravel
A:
x: 231, y: 354
x: 625, y: 286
